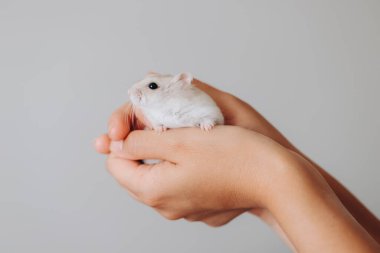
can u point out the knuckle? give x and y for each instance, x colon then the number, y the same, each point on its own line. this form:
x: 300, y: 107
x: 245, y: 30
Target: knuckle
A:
x: 171, y: 215
x: 213, y: 223
x: 152, y: 202
x: 191, y: 219
x: 217, y: 221
x: 210, y: 224
x: 152, y: 193
x: 151, y: 199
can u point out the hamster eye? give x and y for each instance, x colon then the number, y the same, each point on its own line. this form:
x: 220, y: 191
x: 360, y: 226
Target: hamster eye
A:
x: 153, y: 86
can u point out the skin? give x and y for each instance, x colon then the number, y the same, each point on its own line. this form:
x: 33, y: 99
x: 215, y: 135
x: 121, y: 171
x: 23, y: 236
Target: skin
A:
x: 254, y: 168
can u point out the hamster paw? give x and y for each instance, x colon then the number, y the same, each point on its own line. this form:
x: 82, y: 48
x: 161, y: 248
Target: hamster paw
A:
x: 159, y: 129
x: 207, y: 125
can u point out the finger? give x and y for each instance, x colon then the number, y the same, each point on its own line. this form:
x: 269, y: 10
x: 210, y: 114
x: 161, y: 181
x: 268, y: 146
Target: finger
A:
x: 124, y: 120
x: 222, y: 218
x: 119, y: 124
x: 128, y: 173
x: 217, y: 95
x: 221, y: 98
x: 201, y: 215
x: 169, y: 145
x: 208, y: 214
x: 210, y: 90
x: 142, y: 181
x: 102, y: 144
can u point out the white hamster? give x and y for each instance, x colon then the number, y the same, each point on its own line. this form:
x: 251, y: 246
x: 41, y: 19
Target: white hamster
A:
x: 168, y: 101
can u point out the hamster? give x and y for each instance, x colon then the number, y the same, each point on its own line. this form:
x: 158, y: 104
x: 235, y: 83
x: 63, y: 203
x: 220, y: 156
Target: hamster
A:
x: 168, y: 101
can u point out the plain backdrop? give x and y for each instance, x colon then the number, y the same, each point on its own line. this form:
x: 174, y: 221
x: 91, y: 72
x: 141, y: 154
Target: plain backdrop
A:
x: 311, y: 67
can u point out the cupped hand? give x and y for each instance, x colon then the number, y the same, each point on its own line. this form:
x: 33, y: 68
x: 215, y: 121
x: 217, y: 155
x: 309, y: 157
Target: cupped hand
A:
x: 235, y: 111
x: 200, y: 189
x: 209, y: 176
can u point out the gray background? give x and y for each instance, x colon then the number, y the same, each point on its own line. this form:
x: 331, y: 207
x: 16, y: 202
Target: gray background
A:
x: 311, y: 67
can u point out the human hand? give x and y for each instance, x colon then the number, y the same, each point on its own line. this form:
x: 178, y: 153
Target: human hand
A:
x: 210, y: 176
x: 236, y: 112
x: 239, y: 113
x: 230, y: 169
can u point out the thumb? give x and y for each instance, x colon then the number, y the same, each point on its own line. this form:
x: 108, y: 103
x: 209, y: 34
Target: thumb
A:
x: 146, y: 144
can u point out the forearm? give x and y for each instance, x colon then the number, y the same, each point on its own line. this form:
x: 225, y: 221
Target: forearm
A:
x: 237, y: 112
x: 360, y: 212
x: 311, y: 215
x: 369, y: 221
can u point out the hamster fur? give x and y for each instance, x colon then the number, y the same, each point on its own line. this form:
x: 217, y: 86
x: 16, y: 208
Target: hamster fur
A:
x: 168, y: 101
x: 174, y: 103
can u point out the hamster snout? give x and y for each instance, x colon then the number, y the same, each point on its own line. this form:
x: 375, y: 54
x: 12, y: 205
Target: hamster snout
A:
x: 135, y: 95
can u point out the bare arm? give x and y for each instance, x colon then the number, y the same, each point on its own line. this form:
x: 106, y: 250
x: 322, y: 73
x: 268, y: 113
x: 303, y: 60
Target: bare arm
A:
x: 251, y: 119
x: 232, y: 168
x: 240, y: 113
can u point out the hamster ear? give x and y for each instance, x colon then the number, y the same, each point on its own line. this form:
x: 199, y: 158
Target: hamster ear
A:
x: 151, y: 73
x: 183, y: 77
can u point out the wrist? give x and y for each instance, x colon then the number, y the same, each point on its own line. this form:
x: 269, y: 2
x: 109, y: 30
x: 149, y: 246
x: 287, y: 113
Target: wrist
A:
x: 285, y: 175
x: 282, y: 176
x: 292, y: 178
x: 268, y: 170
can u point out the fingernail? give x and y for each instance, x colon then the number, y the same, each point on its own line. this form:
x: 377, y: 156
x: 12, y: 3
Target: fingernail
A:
x: 116, y: 146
